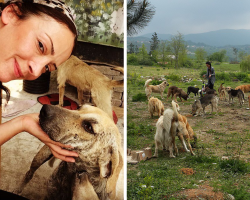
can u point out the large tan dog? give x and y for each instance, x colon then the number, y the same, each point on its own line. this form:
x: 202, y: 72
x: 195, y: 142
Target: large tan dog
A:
x: 155, y: 88
x: 243, y: 88
x: 95, y: 137
x: 87, y: 79
x: 166, y: 129
x: 155, y: 105
x: 175, y: 91
x: 184, y: 131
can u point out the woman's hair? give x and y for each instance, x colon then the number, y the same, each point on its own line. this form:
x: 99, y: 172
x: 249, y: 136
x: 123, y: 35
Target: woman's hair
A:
x: 208, y: 63
x: 26, y: 9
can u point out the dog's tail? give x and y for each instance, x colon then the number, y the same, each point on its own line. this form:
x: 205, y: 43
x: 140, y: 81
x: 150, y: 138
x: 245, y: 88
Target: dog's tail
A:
x: 147, y: 82
x: 115, y: 83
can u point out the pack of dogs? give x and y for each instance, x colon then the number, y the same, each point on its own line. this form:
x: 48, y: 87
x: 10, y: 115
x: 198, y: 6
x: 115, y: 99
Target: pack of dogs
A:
x: 97, y: 172
x: 171, y: 124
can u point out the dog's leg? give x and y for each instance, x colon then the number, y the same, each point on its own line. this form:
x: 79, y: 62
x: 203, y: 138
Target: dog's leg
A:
x: 41, y: 157
x: 157, y: 144
x: 102, y: 100
x: 80, y: 96
x: 173, y: 144
x: 61, y: 95
x: 161, y: 95
x: 183, y: 142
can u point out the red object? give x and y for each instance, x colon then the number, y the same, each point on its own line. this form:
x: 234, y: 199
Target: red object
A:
x: 53, y: 99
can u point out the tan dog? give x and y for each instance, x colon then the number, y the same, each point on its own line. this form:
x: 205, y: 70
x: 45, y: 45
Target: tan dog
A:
x: 155, y: 105
x: 243, y: 88
x: 87, y: 79
x: 184, y: 131
x: 155, y: 88
x: 166, y: 129
x: 222, y: 92
x: 95, y: 137
x: 175, y: 91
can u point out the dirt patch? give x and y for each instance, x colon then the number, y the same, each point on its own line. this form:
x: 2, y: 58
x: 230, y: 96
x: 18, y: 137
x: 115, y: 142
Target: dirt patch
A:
x: 204, y: 192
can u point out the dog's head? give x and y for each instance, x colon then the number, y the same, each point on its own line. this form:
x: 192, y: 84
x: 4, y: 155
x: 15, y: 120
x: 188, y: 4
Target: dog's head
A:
x: 228, y: 89
x: 91, y: 132
x: 165, y: 83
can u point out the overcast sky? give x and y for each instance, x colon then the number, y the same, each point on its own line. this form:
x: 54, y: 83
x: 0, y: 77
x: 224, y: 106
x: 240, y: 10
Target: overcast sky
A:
x: 198, y: 16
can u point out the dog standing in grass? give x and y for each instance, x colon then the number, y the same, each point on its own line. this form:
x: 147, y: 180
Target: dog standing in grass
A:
x: 202, y: 103
x: 222, y: 92
x: 155, y: 88
x: 166, y: 129
x: 155, y: 105
x: 243, y: 88
x: 176, y: 92
x: 235, y: 93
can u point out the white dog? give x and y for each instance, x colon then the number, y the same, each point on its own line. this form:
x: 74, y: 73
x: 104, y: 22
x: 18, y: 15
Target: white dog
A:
x: 166, y: 128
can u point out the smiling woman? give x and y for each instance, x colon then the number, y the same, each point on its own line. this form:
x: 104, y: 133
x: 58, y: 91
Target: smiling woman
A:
x: 35, y: 37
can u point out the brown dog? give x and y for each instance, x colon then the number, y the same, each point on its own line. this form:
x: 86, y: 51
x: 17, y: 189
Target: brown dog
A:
x: 175, y: 91
x: 87, y: 79
x: 222, y: 92
x: 155, y: 105
x: 243, y: 88
x: 155, y: 88
x: 96, y: 139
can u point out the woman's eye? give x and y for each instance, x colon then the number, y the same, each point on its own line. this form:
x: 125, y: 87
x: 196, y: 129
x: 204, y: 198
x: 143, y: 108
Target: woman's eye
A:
x: 41, y: 46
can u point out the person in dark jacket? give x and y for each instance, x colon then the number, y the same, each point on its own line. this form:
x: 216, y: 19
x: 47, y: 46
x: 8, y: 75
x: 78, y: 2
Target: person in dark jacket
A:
x: 210, y: 75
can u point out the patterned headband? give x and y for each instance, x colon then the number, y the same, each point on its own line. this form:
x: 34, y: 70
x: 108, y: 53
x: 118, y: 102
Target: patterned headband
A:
x: 57, y: 4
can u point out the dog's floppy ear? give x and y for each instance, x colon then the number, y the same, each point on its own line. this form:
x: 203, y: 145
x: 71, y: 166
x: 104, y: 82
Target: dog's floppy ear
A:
x: 116, y: 167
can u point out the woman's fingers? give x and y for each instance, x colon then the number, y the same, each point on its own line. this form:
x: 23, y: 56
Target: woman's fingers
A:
x: 62, y: 154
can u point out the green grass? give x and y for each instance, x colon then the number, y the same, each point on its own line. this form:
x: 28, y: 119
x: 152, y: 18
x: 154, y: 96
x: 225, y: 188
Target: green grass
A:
x: 159, y: 178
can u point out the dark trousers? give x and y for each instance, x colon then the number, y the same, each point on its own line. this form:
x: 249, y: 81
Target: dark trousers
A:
x: 210, y: 85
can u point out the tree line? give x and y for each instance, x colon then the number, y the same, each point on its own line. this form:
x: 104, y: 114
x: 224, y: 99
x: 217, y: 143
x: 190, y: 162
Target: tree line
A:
x: 175, y: 53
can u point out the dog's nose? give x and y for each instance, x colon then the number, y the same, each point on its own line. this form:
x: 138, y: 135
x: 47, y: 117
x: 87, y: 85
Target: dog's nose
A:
x: 46, y: 111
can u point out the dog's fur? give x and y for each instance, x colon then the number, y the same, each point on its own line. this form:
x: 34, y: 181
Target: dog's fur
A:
x: 175, y: 91
x: 235, y: 93
x: 166, y: 129
x: 193, y: 90
x: 155, y: 105
x: 96, y: 139
x: 155, y: 88
x: 163, y: 137
x: 210, y: 91
x: 243, y: 88
x: 203, y: 102
x: 222, y: 92
x: 87, y: 80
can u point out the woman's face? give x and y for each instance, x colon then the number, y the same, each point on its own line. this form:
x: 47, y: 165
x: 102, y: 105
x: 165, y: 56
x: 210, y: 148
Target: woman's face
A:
x: 28, y: 46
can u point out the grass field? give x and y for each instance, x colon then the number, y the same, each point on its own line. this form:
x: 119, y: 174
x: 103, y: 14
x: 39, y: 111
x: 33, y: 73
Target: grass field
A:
x: 226, y: 133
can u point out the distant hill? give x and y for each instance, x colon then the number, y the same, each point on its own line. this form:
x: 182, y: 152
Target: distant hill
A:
x: 213, y: 41
x: 213, y: 38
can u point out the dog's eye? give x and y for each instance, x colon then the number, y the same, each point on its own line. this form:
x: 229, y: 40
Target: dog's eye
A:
x: 88, y: 127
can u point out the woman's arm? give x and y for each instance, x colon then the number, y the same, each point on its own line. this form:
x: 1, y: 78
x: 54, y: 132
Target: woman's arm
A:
x: 30, y: 124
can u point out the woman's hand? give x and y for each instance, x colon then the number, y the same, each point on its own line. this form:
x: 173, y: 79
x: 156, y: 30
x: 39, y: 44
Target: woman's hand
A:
x: 31, y: 125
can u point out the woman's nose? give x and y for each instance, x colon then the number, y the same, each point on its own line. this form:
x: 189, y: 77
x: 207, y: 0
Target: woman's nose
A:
x: 37, y: 68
